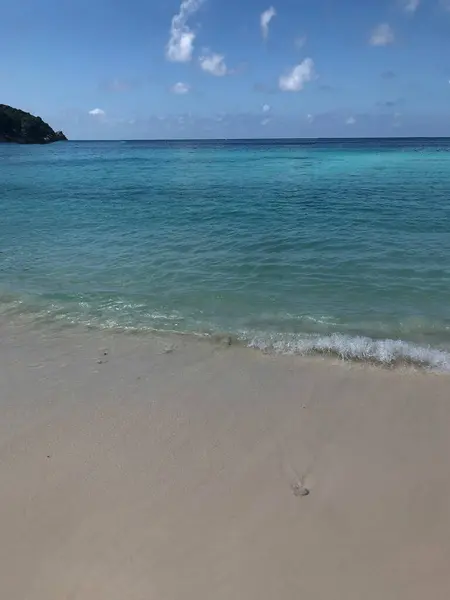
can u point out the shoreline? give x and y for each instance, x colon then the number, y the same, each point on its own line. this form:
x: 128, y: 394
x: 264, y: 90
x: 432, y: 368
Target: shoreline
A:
x: 385, y: 353
x: 134, y: 469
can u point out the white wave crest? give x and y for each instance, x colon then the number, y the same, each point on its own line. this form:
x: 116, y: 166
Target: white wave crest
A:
x: 385, y: 352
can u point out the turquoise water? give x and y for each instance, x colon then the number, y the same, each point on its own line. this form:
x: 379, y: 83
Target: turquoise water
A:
x: 330, y: 246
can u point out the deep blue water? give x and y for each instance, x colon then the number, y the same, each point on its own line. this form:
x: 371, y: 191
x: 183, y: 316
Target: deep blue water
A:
x: 336, y: 246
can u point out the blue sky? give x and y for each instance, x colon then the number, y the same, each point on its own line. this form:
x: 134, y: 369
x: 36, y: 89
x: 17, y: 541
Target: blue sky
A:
x: 115, y: 69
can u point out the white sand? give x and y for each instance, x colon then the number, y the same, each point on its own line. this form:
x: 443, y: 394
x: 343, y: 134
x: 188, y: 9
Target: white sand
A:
x: 171, y: 476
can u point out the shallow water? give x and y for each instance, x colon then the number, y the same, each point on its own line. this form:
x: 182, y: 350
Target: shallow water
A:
x: 331, y: 246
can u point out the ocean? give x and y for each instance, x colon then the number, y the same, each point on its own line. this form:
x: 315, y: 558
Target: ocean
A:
x: 337, y: 247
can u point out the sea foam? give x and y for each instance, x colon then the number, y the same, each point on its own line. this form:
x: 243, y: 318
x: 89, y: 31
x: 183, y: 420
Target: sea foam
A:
x: 384, y: 352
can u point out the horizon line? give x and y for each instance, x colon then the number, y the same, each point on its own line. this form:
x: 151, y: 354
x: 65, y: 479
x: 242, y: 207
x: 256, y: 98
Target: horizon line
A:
x: 261, y: 139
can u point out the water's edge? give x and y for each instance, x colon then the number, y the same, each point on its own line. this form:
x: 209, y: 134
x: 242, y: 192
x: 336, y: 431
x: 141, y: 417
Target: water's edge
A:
x: 385, y: 353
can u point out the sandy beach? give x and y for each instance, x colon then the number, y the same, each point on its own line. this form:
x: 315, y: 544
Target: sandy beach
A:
x: 140, y: 468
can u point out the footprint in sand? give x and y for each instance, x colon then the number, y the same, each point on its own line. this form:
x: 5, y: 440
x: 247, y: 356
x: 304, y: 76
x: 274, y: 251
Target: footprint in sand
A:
x: 299, y: 490
x: 295, y: 480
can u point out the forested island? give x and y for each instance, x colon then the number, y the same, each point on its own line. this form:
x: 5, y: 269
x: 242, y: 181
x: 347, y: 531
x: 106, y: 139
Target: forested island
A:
x: 20, y: 127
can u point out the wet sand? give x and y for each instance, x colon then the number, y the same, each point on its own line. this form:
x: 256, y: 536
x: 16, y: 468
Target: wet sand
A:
x: 144, y: 468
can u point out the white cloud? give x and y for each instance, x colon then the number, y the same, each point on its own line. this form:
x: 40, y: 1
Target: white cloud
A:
x: 97, y: 112
x: 409, y: 6
x: 382, y: 35
x: 214, y: 64
x: 180, y: 88
x: 295, y: 79
x: 265, y: 19
x: 350, y: 121
x: 265, y: 122
x: 180, y: 46
x: 266, y: 108
x: 310, y: 118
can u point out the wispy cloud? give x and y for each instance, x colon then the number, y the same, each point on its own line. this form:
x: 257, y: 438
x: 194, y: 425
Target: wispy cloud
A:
x: 265, y: 19
x: 180, y: 88
x: 445, y: 4
x: 382, y: 35
x: 409, y: 6
x: 180, y: 46
x: 266, y: 108
x: 300, y: 41
x: 97, y: 112
x: 118, y: 85
x: 390, y: 103
x: 214, y: 64
x: 295, y: 79
x: 350, y: 121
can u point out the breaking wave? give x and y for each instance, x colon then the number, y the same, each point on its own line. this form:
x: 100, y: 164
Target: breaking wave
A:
x: 385, y: 352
